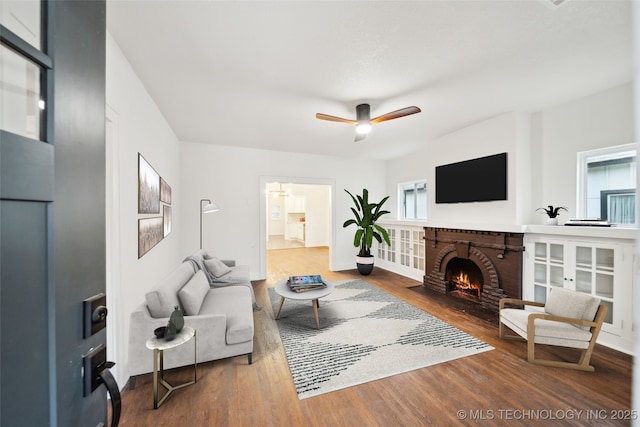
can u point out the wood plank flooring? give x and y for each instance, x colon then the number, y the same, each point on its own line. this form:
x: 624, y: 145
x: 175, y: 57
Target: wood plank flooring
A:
x: 493, y: 388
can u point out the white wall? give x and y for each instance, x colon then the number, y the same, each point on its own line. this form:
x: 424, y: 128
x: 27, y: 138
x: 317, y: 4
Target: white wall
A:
x: 542, y: 150
x: 141, y: 128
x: 597, y: 121
x: 505, y: 133
x: 231, y: 177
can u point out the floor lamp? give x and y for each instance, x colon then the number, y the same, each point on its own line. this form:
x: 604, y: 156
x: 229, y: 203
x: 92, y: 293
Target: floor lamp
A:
x: 208, y: 208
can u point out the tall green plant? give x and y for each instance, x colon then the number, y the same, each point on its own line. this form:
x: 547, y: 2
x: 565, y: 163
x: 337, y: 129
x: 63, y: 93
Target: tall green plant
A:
x: 365, y: 216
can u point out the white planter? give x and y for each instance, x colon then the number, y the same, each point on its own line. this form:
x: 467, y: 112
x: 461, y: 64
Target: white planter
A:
x: 552, y: 221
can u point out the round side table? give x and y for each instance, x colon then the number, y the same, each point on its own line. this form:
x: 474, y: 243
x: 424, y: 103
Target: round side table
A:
x: 159, y: 345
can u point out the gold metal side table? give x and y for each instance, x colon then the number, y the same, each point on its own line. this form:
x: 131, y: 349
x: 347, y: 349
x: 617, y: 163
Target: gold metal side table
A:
x: 159, y: 345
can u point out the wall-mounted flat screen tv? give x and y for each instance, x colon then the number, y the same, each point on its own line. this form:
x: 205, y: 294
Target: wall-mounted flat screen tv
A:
x: 477, y: 180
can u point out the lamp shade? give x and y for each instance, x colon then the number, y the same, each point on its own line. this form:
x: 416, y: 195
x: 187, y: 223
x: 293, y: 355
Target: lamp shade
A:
x: 210, y: 208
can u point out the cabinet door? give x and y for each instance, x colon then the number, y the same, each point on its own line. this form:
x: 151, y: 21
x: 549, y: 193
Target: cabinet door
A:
x: 593, y: 273
x: 548, y: 268
x: 388, y: 252
x: 418, y: 249
x: 405, y: 247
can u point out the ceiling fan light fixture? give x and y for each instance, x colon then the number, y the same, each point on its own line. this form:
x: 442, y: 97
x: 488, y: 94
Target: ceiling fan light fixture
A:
x: 363, y: 128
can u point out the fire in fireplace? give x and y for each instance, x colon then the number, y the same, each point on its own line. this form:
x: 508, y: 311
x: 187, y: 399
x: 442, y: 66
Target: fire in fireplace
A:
x: 464, y: 279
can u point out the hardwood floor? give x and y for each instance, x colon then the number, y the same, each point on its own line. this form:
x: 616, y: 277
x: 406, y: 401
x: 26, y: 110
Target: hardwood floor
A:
x: 496, y: 387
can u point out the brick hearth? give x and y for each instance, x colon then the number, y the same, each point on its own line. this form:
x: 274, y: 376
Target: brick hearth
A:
x: 498, y: 255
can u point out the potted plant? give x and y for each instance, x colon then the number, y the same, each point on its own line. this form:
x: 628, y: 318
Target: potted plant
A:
x: 366, y: 214
x: 552, y: 213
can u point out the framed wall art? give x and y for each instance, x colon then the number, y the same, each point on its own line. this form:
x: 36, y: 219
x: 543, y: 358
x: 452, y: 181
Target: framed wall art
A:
x: 165, y: 192
x: 150, y: 232
x: 166, y: 219
x: 148, y: 188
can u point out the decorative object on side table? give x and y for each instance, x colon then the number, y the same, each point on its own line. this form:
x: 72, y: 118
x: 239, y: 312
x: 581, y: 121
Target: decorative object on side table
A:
x: 176, y: 322
x: 177, y: 318
x: 175, y: 325
x: 366, y: 214
x: 552, y: 213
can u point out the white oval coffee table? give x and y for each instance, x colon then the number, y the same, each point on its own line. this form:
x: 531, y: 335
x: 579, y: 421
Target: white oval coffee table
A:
x: 283, y: 290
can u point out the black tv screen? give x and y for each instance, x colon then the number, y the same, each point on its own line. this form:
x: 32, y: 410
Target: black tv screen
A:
x: 477, y: 180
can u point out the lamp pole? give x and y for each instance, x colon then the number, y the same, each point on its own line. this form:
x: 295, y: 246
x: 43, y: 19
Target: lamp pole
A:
x: 208, y: 208
x: 202, y: 200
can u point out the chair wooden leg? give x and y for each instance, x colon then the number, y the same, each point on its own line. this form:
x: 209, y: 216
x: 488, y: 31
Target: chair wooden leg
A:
x: 502, y: 333
x: 582, y: 365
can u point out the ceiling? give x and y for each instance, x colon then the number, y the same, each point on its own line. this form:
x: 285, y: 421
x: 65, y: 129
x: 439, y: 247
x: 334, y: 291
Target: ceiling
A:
x: 254, y: 74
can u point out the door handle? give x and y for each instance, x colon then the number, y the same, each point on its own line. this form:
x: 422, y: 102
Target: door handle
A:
x: 105, y: 377
x: 97, y: 372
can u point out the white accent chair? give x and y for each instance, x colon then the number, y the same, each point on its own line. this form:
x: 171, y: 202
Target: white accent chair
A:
x: 570, y: 319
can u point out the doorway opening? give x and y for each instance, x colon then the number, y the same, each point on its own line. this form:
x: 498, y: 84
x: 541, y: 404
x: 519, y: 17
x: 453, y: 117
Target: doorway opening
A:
x: 297, y: 213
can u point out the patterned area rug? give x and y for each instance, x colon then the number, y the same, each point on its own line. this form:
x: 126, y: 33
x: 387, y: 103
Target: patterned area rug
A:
x: 365, y: 334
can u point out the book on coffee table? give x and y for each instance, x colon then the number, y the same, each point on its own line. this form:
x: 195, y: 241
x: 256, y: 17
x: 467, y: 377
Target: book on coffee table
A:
x: 305, y: 283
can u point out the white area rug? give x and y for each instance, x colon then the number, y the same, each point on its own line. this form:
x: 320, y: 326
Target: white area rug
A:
x: 366, y: 334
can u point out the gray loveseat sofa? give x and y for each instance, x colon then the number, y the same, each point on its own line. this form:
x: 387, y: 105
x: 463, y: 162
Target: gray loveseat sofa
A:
x: 217, y: 300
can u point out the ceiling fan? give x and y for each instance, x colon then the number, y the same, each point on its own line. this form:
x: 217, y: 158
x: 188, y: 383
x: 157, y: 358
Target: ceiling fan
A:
x: 364, y: 121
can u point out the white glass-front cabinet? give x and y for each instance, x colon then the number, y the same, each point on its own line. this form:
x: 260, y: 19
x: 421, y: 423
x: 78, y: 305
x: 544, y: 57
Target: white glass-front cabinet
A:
x: 591, y: 266
x: 406, y: 255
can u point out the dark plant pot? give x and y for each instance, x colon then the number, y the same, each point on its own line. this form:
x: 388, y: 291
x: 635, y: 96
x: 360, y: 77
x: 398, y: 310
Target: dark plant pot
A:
x: 365, y: 264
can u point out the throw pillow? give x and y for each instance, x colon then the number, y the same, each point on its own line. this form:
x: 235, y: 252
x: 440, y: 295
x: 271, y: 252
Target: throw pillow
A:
x: 216, y: 267
x: 192, y: 294
x: 208, y: 254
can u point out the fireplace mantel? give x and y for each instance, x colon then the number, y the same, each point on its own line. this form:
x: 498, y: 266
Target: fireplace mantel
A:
x: 624, y: 233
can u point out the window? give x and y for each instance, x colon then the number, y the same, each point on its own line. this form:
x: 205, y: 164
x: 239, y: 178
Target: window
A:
x: 607, y: 184
x: 413, y: 200
x: 20, y: 108
x: 23, y: 69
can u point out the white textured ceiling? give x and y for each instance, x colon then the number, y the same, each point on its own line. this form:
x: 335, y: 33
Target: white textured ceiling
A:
x: 254, y: 74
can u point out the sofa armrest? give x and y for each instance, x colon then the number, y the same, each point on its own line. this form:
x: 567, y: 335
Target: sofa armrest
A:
x: 210, y: 329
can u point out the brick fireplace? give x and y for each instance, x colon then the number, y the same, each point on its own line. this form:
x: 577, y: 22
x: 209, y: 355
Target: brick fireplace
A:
x: 480, y: 267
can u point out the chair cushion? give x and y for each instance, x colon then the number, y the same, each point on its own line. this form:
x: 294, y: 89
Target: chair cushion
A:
x: 566, y: 303
x: 546, y: 331
x: 192, y: 294
x: 161, y: 301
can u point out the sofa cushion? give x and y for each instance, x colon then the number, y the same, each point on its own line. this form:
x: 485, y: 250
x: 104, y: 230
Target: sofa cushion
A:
x: 566, y: 303
x: 162, y: 300
x: 192, y: 294
x: 235, y: 303
x: 216, y: 267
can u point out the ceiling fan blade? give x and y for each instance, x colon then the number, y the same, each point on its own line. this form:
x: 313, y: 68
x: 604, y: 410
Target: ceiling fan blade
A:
x: 396, y: 114
x: 335, y: 119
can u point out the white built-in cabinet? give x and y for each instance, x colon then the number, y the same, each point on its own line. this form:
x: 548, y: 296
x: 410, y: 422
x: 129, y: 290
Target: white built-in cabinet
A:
x: 295, y: 208
x: 598, y: 266
x: 296, y: 204
x: 406, y: 254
